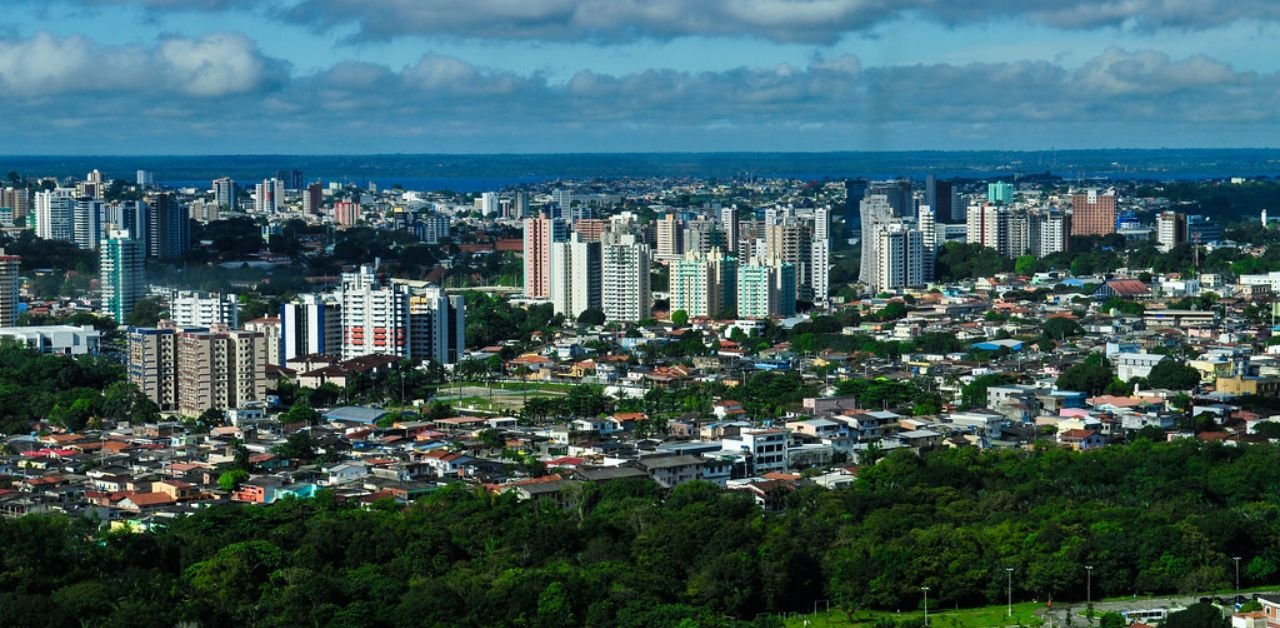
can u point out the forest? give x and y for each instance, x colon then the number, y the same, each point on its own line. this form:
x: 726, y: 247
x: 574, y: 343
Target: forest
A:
x: 1150, y: 517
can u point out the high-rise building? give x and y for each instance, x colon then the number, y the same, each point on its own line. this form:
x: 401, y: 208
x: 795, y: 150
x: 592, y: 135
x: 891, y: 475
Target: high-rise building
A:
x: 729, y: 218
x: 875, y: 212
x: 489, y: 205
x: 575, y: 275
x: 269, y: 327
x: 86, y: 222
x: 591, y: 229
x: 701, y: 235
x: 146, y: 180
x: 1202, y: 230
x: 942, y: 197
x: 520, y: 205
x: 437, y: 324
x: 1093, y: 214
x: 1048, y: 232
x: 310, y: 324
x: 313, y: 199
x: 54, y: 209
x: 94, y: 185
x: 898, y: 194
x: 1019, y: 234
x: 1000, y: 193
x: 191, y: 308
x: 224, y: 193
x: 854, y: 191
x: 289, y: 180
x: 788, y: 241
x: 221, y: 369
x: 168, y: 235
x: 203, y: 212
x: 1171, y: 230
x: 269, y: 196
x: 539, y: 234
x: 346, y: 213
x: 19, y: 200
x: 988, y: 225
x: 431, y: 228
x: 900, y: 258
x: 121, y: 260
x: 766, y: 288
x: 820, y: 255
x: 134, y: 217
x: 375, y: 315
x: 10, y: 269
x: 667, y: 236
x: 624, y: 277
x: 928, y: 228
x: 704, y: 284
x: 153, y: 363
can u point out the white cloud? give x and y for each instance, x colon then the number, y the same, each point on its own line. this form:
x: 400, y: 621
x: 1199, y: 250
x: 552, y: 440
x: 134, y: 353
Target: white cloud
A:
x: 805, y: 21
x: 220, y: 88
x: 217, y: 65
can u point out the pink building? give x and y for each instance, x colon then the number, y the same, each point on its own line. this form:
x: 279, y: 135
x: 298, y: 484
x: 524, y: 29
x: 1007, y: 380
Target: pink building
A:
x: 539, y: 233
x: 346, y: 213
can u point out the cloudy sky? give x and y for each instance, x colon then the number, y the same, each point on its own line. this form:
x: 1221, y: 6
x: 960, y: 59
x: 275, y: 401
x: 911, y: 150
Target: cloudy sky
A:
x: 488, y: 76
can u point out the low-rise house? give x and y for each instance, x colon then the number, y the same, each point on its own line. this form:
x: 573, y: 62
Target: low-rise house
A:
x: 345, y: 472
x: 767, y: 448
x: 1080, y: 440
x: 1131, y: 365
x: 670, y: 470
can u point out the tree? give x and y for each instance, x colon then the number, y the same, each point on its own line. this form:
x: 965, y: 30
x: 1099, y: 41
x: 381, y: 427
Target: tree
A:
x: 1092, y: 376
x: 146, y: 312
x: 1173, y: 375
x: 591, y: 316
x: 1025, y: 264
x: 299, y: 445
x: 123, y: 401
x: 1197, y: 616
x: 679, y: 318
x: 974, y: 394
x: 1060, y: 327
x: 301, y: 412
x: 1113, y: 620
x: 231, y: 480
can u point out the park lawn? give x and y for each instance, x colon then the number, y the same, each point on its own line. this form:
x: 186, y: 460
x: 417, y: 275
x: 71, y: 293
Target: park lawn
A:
x: 1023, y: 615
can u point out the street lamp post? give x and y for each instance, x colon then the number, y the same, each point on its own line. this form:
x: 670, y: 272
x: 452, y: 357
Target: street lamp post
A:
x: 1089, y: 590
x: 1237, y: 560
x: 926, y: 604
x: 1009, y: 588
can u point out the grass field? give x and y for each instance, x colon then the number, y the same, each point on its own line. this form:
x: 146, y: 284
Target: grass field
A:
x: 1023, y: 615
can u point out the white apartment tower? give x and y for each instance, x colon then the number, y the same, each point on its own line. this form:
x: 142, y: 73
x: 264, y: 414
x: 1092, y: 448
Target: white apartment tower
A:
x: 820, y: 255
x: 189, y: 308
x: 900, y: 258
x: 575, y: 276
x: 54, y: 209
x: 876, y: 212
x: 988, y: 225
x: 375, y: 316
x: 624, y: 278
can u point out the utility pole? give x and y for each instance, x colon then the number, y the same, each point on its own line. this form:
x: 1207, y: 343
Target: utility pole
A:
x: 926, y: 604
x: 1237, y: 561
x: 1089, y: 590
x: 1009, y: 588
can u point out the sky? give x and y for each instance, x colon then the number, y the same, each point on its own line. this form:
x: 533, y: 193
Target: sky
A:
x: 104, y: 77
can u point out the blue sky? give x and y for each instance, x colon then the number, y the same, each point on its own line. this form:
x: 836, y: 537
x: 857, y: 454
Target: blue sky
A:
x: 318, y: 76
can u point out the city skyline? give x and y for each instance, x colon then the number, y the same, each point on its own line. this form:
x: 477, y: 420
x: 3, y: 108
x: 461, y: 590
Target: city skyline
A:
x: 324, y: 76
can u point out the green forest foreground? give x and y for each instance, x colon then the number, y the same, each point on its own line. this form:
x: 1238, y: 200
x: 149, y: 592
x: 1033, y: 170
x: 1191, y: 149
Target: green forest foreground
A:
x: 1149, y: 517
